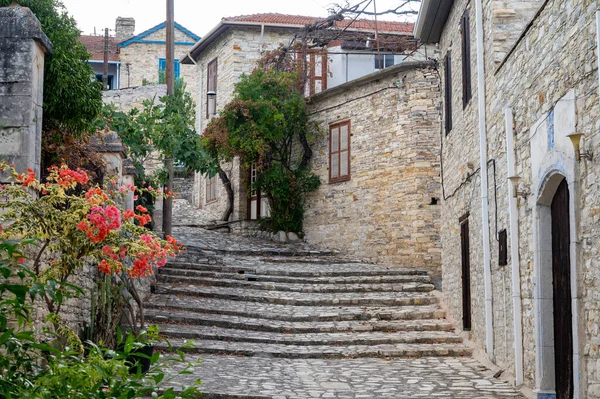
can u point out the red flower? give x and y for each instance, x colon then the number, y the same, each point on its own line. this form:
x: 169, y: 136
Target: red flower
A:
x: 104, y: 267
x: 141, y: 209
x: 128, y: 214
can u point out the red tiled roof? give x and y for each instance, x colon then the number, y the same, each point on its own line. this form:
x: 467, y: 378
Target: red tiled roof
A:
x: 95, y: 45
x: 360, y: 24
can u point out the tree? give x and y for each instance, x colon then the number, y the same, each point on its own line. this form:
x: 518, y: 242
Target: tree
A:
x: 166, y: 127
x: 266, y: 124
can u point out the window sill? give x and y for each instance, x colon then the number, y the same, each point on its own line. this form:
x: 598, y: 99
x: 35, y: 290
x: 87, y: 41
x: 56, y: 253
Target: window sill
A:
x: 212, y: 201
x: 339, y: 179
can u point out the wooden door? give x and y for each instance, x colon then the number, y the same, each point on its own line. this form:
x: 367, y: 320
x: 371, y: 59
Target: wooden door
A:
x: 561, y: 286
x: 466, y: 274
x: 258, y: 202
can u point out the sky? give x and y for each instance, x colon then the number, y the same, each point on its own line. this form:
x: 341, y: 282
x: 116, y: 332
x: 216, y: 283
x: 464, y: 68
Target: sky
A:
x: 199, y: 16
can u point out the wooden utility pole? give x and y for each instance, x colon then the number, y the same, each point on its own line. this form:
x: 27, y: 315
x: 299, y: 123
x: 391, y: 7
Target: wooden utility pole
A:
x: 170, y: 78
x: 105, y: 70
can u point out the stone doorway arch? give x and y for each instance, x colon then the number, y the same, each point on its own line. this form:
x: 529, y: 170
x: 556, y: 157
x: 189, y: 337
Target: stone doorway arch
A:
x: 556, y: 201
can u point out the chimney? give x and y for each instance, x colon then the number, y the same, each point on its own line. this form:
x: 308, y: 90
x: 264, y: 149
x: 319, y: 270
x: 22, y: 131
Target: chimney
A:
x: 124, y: 29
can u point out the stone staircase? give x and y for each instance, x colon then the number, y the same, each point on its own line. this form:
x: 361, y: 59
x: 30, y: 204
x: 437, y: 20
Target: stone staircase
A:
x: 299, y: 305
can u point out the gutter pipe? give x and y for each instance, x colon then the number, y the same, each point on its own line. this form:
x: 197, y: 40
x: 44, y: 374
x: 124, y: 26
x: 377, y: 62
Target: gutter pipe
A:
x: 514, y: 249
x: 485, y: 217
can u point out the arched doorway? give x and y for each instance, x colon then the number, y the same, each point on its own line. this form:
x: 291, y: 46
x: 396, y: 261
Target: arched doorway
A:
x: 561, y: 292
x: 555, y: 297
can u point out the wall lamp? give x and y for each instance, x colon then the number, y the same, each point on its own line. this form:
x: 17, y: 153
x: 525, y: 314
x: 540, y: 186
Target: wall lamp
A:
x: 514, y: 181
x: 576, y: 141
x: 211, y: 94
x: 212, y: 97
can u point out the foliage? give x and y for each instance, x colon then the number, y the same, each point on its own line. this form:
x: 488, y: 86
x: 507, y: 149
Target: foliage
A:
x: 72, y: 101
x: 64, y: 372
x: 74, y: 223
x: 166, y: 127
x: 267, y: 124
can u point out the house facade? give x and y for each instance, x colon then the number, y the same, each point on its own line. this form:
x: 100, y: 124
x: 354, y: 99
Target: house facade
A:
x: 136, y: 60
x: 378, y: 162
x: 233, y: 47
x: 520, y: 201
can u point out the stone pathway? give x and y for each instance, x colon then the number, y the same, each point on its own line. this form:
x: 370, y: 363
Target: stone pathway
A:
x: 288, y: 321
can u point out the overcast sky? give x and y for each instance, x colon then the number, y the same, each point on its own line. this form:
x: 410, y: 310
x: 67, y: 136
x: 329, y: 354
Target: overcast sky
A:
x: 199, y: 16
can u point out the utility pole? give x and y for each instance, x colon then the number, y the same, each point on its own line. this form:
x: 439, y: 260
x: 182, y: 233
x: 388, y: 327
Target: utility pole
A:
x: 170, y: 78
x: 105, y: 70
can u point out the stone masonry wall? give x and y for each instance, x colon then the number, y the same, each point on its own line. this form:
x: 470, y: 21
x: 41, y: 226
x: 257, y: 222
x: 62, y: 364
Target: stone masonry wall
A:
x: 143, y: 60
x: 565, y: 34
x: 555, y: 57
x: 388, y: 211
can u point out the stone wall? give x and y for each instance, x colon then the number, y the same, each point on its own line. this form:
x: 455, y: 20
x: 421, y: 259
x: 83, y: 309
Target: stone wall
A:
x: 388, y: 210
x: 549, y: 79
x: 23, y: 46
x: 143, y: 60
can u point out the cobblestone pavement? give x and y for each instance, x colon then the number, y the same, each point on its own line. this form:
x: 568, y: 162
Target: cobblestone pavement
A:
x: 350, y: 378
x: 281, y: 321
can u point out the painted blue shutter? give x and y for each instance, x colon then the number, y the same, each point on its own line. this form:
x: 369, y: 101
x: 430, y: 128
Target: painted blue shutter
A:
x: 177, y: 69
x: 162, y: 70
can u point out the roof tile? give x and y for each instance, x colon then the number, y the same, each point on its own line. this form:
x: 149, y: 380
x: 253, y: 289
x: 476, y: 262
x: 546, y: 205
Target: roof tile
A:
x: 95, y: 45
x: 360, y: 24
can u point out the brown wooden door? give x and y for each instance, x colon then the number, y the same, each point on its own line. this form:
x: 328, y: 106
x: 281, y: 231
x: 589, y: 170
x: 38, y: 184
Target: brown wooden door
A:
x: 466, y: 274
x: 561, y: 285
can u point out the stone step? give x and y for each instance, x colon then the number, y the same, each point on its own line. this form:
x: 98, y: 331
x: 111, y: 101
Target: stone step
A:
x: 308, y: 339
x: 299, y: 298
x: 175, y: 271
x: 318, y: 351
x: 343, y: 270
x: 291, y: 287
x: 164, y: 316
x: 272, y: 311
x: 270, y: 250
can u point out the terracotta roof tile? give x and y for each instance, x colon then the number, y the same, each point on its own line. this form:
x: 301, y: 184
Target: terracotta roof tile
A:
x: 361, y: 24
x: 95, y: 45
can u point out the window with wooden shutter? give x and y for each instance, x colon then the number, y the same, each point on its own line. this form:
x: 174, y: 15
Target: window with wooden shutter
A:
x: 211, y: 189
x: 211, y: 87
x: 316, y: 82
x: 448, y: 92
x: 502, y: 248
x: 339, y: 152
x: 466, y: 58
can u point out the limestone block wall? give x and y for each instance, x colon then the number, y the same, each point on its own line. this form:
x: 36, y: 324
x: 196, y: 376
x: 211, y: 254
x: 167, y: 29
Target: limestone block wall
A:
x: 460, y: 179
x: 143, y: 60
x: 543, y: 91
x: 549, y: 79
x: 388, y: 211
x: 23, y: 46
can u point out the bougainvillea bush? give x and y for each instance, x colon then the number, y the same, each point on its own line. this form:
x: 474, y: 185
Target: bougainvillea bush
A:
x: 72, y: 222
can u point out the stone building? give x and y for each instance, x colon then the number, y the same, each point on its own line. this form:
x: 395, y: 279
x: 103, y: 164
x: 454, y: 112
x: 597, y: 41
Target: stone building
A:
x: 232, y: 48
x: 136, y: 60
x: 520, y: 202
x: 383, y: 203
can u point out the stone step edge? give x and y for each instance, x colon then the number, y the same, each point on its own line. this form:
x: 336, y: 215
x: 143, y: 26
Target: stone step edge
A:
x: 260, y: 252
x: 241, y: 325
x: 425, y: 300
x: 280, y: 338
x: 257, y: 286
x: 313, y: 280
x: 293, y: 273
x: 449, y: 350
x: 438, y: 313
